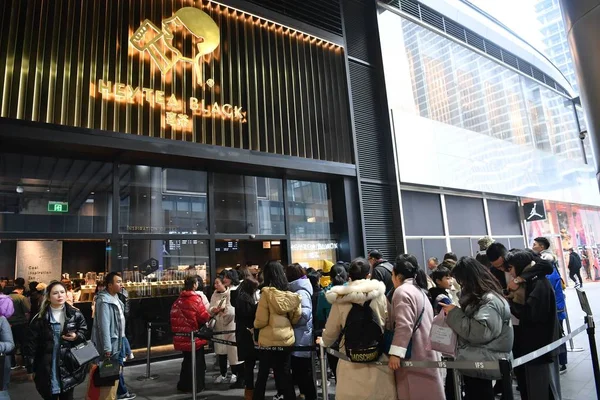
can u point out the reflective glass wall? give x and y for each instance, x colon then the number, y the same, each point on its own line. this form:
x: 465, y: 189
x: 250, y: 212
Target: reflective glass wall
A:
x: 457, y: 86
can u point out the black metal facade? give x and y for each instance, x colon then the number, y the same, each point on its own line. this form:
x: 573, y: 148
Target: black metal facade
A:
x: 380, y: 208
x: 72, y: 63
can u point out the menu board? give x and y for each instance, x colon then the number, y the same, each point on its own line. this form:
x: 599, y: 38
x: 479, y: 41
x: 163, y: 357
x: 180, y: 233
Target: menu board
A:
x: 39, y: 261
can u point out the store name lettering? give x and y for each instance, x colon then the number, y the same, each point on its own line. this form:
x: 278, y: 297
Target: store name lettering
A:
x: 176, y: 115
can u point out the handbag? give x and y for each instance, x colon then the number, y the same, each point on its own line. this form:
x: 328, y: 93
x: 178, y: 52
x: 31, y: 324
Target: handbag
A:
x: 84, y: 353
x: 441, y: 337
x: 107, y: 372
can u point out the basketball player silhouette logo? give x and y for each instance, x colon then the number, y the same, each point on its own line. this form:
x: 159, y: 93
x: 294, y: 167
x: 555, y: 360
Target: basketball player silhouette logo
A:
x: 170, y: 45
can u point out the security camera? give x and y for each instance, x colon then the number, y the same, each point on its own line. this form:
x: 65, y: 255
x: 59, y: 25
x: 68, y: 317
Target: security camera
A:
x: 582, y: 135
x: 253, y: 236
x: 20, y: 189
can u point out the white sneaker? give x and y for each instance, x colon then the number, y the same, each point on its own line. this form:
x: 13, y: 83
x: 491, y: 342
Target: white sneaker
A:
x: 221, y: 379
x: 233, y: 378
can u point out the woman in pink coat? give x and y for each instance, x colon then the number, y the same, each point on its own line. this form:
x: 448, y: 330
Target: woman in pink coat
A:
x: 412, y: 316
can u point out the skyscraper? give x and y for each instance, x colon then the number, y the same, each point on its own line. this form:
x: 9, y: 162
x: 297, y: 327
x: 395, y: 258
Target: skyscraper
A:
x: 554, y: 37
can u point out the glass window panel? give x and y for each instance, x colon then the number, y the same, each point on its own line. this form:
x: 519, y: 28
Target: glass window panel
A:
x: 160, y: 200
x: 465, y: 216
x: 516, y: 242
x: 504, y: 217
x: 55, y: 195
x: 454, y: 85
x: 462, y: 247
x: 175, y: 259
x: 240, y: 207
x: 422, y: 214
x: 434, y: 248
x: 313, y: 209
x: 415, y: 247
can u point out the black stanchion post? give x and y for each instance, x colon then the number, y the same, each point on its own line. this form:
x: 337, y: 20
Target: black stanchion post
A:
x: 507, y: 389
x: 148, y: 376
x: 194, y: 388
x: 591, y: 331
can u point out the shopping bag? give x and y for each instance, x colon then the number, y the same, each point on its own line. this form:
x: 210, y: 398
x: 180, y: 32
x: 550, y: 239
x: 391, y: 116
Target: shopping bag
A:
x: 100, y: 392
x: 441, y: 337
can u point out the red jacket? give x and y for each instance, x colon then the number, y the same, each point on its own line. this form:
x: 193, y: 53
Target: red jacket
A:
x: 188, y: 314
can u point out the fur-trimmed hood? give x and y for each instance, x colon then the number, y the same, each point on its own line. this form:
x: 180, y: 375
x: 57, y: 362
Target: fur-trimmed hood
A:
x: 356, y: 292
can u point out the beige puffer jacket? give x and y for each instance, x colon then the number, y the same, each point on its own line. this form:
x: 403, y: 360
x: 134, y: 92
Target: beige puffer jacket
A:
x: 277, y: 312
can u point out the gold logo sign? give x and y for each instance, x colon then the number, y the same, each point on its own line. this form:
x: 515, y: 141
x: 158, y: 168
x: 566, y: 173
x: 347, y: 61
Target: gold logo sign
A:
x: 167, y: 47
x: 159, y: 42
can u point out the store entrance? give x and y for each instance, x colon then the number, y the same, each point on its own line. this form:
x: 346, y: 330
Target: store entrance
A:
x: 254, y: 253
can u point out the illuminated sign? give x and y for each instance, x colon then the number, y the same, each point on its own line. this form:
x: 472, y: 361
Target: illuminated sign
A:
x: 58, y: 206
x: 159, y: 44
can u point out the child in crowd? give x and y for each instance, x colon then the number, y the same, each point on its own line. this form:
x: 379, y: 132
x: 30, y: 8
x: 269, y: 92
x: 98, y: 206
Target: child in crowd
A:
x: 443, y: 283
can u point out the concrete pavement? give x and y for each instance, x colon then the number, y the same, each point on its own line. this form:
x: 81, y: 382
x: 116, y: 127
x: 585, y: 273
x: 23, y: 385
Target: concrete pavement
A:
x: 577, y: 383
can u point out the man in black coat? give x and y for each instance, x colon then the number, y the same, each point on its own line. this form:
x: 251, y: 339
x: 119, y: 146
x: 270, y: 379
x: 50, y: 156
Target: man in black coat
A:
x: 381, y: 270
x: 575, y: 268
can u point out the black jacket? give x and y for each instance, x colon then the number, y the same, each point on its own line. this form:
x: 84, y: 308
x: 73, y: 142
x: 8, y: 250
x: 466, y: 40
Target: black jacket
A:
x: 382, y: 271
x: 245, y: 312
x: 38, y: 351
x: 574, y: 262
x: 538, y: 323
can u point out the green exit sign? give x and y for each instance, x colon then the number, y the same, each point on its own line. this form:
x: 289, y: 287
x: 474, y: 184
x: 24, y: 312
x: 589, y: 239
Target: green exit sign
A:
x: 58, y: 206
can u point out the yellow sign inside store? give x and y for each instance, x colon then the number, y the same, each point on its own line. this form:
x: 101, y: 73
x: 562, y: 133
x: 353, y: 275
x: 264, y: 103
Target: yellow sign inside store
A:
x: 160, y: 46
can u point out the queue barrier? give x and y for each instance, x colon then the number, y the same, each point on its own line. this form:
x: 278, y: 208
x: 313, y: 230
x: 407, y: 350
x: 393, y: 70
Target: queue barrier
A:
x: 505, y: 366
x: 148, y: 375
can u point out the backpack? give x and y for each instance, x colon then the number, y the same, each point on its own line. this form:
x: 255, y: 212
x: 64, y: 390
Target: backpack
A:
x: 362, y: 334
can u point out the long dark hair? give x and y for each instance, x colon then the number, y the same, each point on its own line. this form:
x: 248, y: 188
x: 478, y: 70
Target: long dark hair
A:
x: 408, y: 266
x: 274, y: 275
x: 338, y: 275
x: 476, y: 281
x: 248, y: 286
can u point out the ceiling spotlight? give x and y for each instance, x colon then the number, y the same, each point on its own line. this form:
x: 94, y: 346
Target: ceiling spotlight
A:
x: 20, y: 189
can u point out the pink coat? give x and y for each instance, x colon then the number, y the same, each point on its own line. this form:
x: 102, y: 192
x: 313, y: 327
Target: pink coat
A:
x: 414, y: 384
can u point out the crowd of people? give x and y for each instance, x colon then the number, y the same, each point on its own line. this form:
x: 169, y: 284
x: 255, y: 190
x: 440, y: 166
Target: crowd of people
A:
x: 376, y: 313
x: 500, y: 304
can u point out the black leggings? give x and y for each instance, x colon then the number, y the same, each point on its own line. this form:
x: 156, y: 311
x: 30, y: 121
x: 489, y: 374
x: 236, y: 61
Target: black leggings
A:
x: 280, y: 362
x: 249, y: 364
x: 576, y: 273
x: 302, y: 375
x: 223, y: 364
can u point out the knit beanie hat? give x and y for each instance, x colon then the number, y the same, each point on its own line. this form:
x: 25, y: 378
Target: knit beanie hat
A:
x: 485, y: 242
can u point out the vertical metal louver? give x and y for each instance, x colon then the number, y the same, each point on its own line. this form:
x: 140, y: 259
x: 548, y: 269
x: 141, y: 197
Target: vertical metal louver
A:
x: 367, y: 122
x: 324, y: 14
x: 432, y: 18
x: 371, y: 128
x: 410, y: 7
x: 377, y: 211
x: 455, y: 30
x: 475, y: 40
x: 439, y: 21
x: 510, y: 59
x: 493, y: 50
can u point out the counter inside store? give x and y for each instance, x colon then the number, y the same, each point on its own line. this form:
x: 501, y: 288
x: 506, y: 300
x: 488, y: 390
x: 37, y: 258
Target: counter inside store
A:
x: 150, y: 300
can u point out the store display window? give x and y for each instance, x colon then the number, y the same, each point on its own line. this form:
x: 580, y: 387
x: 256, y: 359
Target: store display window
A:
x: 158, y: 200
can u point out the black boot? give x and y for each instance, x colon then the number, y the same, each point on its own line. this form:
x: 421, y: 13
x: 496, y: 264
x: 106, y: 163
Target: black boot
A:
x: 238, y: 370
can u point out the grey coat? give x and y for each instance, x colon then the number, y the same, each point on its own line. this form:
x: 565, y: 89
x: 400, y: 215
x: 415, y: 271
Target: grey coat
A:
x: 107, y: 330
x: 484, y: 334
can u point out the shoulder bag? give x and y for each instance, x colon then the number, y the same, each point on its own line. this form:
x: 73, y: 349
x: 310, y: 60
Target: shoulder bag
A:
x: 84, y: 353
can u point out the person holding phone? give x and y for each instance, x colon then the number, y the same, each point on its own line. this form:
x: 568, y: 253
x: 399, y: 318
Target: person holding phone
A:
x: 53, y: 332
